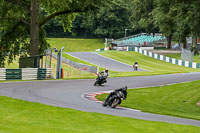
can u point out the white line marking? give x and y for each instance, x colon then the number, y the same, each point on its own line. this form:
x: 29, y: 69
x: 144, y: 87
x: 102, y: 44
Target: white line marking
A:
x: 117, y: 61
x: 79, y: 59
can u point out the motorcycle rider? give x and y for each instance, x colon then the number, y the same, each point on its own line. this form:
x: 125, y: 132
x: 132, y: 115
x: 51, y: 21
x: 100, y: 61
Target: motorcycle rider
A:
x: 104, y: 74
x: 123, y: 90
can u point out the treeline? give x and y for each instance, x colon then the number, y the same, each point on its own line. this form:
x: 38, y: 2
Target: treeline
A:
x: 176, y: 19
x: 109, y: 22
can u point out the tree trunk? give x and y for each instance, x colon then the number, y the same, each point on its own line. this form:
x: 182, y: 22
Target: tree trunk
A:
x: 184, y: 43
x: 194, y: 41
x: 34, y: 29
x: 169, y: 41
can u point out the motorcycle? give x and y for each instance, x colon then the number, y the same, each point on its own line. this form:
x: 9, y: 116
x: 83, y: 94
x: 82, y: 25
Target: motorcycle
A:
x: 115, y: 98
x: 100, y: 80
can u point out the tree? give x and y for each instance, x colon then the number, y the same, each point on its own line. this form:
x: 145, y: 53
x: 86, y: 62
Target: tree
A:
x: 194, y: 19
x: 112, y: 22
x: 164, y: 14
x: 142, y: 17
x: 24, y: 19
x: 106, y: 22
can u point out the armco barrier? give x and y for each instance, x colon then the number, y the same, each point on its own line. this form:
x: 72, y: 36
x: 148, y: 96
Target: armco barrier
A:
x: 13, y: 74
x: 79, y: 66
x: 164, y: 58
x: 25, y: 74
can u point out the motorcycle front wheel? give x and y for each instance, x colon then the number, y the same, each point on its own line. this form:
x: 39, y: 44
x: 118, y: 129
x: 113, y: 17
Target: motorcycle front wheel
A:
x: 115, y: 102
x: 95, y: 83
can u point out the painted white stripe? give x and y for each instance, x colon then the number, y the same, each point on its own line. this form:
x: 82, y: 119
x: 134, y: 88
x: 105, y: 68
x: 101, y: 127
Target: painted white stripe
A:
x: 194, y: 65
x: 140, y: 50
x: 167, y: 59
x: 180, y: 62
x: 150, y: 54
x: 156, y: 56
x: 186, y: 63
x: 136, y: 49
x: 145, y: 52
x: 173, y: 61
x: 161, y: 57
x: 110, y: 59
x: 116, y: 61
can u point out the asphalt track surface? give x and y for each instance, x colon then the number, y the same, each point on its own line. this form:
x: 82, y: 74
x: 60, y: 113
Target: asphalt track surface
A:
x: 70, y: 94
x: 102, y: 61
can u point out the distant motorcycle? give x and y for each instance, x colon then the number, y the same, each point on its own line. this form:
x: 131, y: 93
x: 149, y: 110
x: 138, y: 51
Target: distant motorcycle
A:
x: 101, y: 79
x: 116, y: 97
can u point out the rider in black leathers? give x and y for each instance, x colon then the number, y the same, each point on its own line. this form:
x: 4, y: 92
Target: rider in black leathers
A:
x: 123, y: 89
x: 110, y: 97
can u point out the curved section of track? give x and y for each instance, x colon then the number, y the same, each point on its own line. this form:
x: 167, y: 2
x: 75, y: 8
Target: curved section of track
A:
x: 103, y: 61
x: 68, y: 94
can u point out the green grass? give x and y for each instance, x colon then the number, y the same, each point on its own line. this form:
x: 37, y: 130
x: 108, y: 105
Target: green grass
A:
x: 178, y: 56
x: 175, y: 100
x: 154, y: 67
x: 19, y: 116
x: 76, y: 45
x: 70, y: 72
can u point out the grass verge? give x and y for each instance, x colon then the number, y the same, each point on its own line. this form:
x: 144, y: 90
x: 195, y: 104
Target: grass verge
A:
x: 70, y: 72
x: 22, y: 117
x: 175, y: 100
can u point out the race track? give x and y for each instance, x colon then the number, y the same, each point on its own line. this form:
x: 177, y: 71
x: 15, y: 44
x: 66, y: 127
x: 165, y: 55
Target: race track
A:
x: 104, y: 62
x: 70, y: 94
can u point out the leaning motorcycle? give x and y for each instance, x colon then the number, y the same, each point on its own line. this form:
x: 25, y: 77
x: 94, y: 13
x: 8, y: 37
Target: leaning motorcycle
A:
x: 114, y: 100
x: 100, y: 80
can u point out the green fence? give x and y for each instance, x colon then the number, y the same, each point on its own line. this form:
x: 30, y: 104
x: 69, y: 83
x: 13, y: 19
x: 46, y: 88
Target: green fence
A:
x: 13, y: 74
x: 41, y: 74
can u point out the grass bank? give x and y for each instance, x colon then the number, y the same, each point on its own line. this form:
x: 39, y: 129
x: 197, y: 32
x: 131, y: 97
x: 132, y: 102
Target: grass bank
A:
x: 175, y: 100
x: 154, y: 67
x: 28, y: 117
x: 76, y: 45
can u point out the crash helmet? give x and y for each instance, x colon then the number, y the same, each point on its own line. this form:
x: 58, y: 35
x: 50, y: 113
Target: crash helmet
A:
x: 125, y: 88
x: 106, y: 70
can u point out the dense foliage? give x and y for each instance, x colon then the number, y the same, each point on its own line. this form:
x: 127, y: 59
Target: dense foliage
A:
x: 22, y: 23
x: 175, y: 19
x: 107, y: 22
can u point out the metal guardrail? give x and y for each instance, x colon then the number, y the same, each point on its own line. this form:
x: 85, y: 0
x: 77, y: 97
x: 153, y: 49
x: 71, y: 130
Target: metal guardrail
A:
x: 77, y: 65
x: 25, y: 74
x: 13, y: 74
